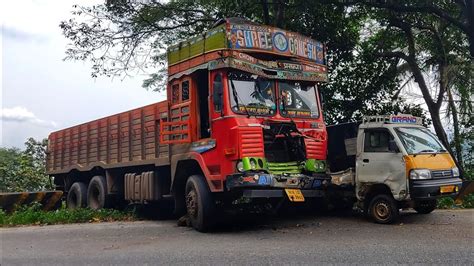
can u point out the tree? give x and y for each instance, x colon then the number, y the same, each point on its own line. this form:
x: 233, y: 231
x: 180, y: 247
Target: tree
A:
x: 118, y: 37
x: 24, y: 170
x: 430, y: 38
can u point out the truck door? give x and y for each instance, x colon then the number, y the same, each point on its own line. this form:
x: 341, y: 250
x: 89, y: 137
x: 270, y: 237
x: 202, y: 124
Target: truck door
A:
x: 380, y: 162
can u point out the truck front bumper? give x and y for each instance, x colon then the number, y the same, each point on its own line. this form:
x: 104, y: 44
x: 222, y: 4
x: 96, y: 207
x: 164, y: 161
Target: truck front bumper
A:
x: 263, y: 185
x: 435, y: 188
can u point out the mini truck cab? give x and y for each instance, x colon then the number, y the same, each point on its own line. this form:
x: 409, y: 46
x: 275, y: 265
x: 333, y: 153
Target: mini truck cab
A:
x: 398, y: 164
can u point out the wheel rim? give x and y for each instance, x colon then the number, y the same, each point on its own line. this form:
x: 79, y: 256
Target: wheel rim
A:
x: 192, y: 203
x: 382, y: 211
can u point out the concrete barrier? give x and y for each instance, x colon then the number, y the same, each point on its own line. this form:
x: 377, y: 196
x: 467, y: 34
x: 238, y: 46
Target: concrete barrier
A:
x: 48, y: 199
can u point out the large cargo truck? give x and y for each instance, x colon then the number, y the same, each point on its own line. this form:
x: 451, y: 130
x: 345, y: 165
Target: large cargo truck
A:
x: 242, y: 119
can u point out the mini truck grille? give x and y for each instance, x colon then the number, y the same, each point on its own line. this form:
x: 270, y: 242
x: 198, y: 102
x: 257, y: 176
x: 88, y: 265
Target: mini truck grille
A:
x: 441, y: 174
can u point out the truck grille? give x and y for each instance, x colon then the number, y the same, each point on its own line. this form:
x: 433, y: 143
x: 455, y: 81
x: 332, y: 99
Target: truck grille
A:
x: 287, y: 168
x: 441, y: 174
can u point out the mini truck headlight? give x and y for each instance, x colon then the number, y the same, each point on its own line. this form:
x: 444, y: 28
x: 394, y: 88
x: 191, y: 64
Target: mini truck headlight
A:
x: 420, y: 174
x: 455, y: 172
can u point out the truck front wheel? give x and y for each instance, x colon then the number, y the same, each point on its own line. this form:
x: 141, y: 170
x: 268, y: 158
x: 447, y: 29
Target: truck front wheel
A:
x: 383, y: 209
x: 425, y: 206
x: 77, y: 196
x: 200, y: 205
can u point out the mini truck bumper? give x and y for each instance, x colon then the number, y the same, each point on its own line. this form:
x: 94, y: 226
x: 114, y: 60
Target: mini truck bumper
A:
x: 263, y: 185
x: 435, y: 188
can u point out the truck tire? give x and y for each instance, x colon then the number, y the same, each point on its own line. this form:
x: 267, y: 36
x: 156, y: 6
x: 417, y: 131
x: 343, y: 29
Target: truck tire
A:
x: 97, y: 193
x: 200, y: 205
x: 77, y: 196
x: 383, y: 209
x: 425, y: 206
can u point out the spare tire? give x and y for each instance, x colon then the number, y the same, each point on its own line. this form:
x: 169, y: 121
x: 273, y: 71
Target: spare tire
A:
x: 77, y: 196
x: 97, y: 193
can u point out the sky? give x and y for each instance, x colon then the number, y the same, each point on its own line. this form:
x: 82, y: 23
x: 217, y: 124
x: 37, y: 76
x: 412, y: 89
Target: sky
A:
x: 40, y: 93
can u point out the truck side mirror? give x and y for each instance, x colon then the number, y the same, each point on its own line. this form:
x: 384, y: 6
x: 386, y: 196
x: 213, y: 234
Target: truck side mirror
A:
x: 392, y: 146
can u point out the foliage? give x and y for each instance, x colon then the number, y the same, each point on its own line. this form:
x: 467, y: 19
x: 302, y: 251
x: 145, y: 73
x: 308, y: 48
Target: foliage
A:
x: 24, y: 170
x: 448, y: 202
x: 33, y: 215
x: 119, y: 37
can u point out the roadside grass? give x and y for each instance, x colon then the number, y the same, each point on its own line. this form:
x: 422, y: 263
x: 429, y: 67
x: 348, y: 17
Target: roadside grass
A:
x: 33, y: 215
x: 448, y: 203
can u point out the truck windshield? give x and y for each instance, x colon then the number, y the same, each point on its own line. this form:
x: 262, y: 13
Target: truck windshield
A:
x: 298, y: 100
x: 419, y: 140
x: 251, y: 95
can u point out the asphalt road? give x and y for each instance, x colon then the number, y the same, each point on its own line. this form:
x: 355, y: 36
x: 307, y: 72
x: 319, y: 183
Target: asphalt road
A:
x: 443, y: 237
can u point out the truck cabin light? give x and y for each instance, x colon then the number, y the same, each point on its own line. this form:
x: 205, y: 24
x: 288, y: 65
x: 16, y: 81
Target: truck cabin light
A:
x: 417, y: 174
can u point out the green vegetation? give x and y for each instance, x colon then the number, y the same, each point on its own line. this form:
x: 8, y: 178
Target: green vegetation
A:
x: 33, y: 215
x: 24, y: 170
x: 448, y: 203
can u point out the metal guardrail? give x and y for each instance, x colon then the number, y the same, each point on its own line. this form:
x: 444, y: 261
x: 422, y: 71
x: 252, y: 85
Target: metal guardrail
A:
x: 48, y: 199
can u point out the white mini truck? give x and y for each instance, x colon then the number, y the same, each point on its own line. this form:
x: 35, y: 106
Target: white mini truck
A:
x: 388, y: 163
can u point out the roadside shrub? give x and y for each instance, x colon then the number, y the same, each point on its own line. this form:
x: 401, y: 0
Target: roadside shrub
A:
x: 445, y: 203
x: 33, y: 215
x: 468, y: 201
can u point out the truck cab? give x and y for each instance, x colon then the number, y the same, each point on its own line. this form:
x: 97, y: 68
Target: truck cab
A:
x: 393, y: 162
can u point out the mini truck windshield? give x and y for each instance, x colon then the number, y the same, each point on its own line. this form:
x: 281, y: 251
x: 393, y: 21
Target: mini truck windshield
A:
x: 251, y: 95
x: 419, y: 140
x: 298, y: 100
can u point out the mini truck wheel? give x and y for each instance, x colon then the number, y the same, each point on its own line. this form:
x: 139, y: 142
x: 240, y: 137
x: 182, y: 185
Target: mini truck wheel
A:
x: 97, y: 193
x: 77, y: 196
x: 200, y: 205
x: 383, y: 209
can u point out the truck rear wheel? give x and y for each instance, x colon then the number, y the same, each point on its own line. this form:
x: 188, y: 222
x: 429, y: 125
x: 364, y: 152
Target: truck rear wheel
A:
x: 200, y: 205
x: 97, y: 193
x: 425, y: 206
x: 383, y: 209
x: 77, y: 196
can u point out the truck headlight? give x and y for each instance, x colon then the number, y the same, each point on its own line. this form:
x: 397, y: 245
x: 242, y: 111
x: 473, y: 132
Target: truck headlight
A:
x: 253, y: 164
x: 455, y: 172
x: 420, y: 174
x: 240, y: 166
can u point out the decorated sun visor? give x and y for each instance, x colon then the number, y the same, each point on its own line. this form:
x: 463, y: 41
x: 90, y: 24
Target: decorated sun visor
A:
x: 259, y: 38
x: 237, y: 35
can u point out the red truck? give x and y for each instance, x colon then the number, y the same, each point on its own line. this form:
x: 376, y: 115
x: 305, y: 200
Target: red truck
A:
x: 242, y: 119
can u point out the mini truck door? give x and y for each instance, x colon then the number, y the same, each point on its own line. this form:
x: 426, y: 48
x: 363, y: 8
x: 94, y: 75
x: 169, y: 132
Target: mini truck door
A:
x: 380, y: 161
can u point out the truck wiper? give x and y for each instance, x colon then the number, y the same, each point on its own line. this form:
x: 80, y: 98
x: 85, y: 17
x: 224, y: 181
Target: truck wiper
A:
x: 427, y: 151
x: 236, y: 97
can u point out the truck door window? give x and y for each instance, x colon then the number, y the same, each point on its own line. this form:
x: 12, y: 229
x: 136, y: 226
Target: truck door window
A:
x: 377, y: 141
x: 185, y: 91
x: 175, y: 93
x: 217, y: 93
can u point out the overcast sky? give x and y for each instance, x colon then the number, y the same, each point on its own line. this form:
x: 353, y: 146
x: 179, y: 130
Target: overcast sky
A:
x: 40, y: 92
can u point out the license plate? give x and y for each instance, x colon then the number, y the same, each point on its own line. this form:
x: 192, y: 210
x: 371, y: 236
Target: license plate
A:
x: 294, y: 195
x: 446, y: 189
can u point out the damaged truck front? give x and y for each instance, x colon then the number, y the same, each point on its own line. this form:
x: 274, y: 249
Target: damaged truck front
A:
x: 242, y: 119
x: 391, y: 162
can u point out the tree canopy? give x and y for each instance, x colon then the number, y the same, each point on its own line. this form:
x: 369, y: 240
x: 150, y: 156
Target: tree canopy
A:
x: 24, y: 170
x: 374, y: 48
